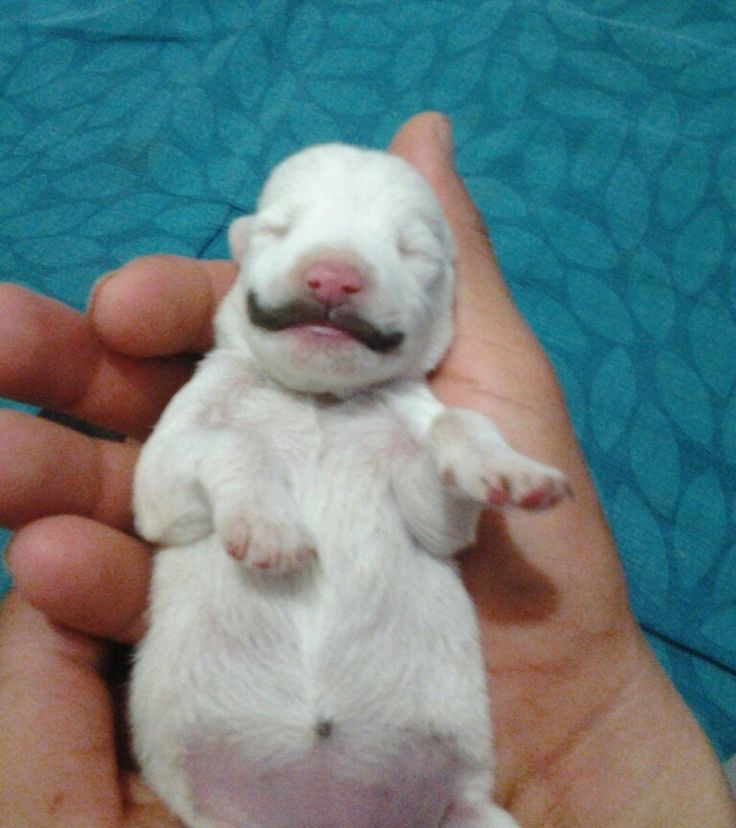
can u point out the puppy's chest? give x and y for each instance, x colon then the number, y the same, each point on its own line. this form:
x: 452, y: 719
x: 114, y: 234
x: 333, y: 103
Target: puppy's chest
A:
x: 361, y: 434
x: 323, y: 437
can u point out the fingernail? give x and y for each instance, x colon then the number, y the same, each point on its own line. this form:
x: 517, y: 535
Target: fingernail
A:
x: 94, y: 293
x: 443, y: 135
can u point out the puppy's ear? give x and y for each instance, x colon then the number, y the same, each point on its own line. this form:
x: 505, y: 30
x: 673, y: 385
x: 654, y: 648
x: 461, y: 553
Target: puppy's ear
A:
x: 238, y: 235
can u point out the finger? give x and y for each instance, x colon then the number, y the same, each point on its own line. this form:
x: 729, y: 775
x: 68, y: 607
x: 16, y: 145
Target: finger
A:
x: 160, y: 305
x: 49, y: 469
x: 50, y: 356
x: 57, y: 749
x: 87, y: 576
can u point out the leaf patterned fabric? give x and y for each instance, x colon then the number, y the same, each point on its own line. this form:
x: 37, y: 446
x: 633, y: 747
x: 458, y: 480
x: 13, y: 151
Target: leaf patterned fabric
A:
x: 596, y: 135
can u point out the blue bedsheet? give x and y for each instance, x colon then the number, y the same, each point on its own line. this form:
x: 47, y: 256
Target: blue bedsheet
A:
x: 596, y: 135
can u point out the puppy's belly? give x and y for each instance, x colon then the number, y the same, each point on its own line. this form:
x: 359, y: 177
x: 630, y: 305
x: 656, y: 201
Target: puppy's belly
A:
x: 307, y: 702
x: 327, y: 787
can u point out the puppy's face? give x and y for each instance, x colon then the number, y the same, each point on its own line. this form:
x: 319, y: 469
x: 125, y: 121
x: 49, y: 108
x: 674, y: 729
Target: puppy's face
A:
x: 346, y: 273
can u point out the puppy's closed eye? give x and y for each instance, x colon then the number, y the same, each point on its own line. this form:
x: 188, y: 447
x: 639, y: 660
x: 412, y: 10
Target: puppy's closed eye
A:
x: 418, y: 247
x: 409, y: 243
x: 275, y: 227
x: 274, y: 231
x: 420, y: 239
x: 408, y: 249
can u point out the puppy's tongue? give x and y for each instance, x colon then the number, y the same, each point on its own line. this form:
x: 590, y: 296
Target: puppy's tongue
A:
x: 328, y: 330
x: 326, y: 333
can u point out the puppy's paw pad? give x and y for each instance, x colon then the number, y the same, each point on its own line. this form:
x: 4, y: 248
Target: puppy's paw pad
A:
x: 545, y: 495
x: 278, y: 546
x: 277, y: 560
x: 498, y: 493
x: 531, y: 486
x: 236, y: 539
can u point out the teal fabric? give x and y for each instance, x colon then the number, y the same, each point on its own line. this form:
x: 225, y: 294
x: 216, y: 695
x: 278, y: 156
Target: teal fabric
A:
x: 596, y: 135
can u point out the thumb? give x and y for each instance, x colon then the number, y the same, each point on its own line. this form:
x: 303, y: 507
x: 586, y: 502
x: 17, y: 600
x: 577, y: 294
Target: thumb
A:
x: 426, y: 142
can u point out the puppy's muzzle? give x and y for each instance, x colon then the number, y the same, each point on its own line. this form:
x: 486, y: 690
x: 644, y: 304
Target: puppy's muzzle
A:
x: 309, y: 311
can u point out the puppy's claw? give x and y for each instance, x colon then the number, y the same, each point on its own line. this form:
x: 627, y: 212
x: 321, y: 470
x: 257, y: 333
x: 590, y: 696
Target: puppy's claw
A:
x: 236, y: 540
x: 236, y: 551
x: 278, y: 561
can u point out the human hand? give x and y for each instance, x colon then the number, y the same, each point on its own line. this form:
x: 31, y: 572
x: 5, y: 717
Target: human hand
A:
x: 81, y: 577
x: 60, y: 745
x: 589, y: 730
x: 579, y: 703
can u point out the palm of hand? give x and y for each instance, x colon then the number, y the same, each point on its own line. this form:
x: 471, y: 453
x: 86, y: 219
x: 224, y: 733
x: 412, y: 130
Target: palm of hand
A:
x: 562, y: 648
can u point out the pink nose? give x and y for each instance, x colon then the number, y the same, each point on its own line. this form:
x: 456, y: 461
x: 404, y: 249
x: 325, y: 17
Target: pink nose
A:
x: 331, y: 282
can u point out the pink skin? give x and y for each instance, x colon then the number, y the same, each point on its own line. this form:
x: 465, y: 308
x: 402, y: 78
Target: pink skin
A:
x: 316, y: 790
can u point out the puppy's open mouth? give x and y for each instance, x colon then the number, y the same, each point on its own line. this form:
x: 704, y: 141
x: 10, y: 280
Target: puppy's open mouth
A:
x: 308, y: 312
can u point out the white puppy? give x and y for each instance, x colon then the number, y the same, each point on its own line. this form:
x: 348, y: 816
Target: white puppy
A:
x: 312, y: 659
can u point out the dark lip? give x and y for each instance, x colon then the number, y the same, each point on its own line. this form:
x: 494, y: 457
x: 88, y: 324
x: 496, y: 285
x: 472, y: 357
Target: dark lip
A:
x: 305, y: 311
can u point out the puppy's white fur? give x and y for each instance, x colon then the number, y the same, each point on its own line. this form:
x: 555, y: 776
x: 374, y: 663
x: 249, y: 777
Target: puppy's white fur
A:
x: 327, y: 672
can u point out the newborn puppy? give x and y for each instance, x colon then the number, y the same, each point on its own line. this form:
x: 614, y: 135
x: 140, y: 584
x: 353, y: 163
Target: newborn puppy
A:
x: 312, y: 658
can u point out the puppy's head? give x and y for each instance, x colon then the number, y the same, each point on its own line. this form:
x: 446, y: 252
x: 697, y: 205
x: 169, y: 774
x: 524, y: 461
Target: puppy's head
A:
x: 346, y: 273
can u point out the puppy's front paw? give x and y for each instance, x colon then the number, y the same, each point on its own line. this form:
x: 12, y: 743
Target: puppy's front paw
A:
x: 267, y: 545
x: 516, y: 480
x: 271, y: 550
x: 475, y: 462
